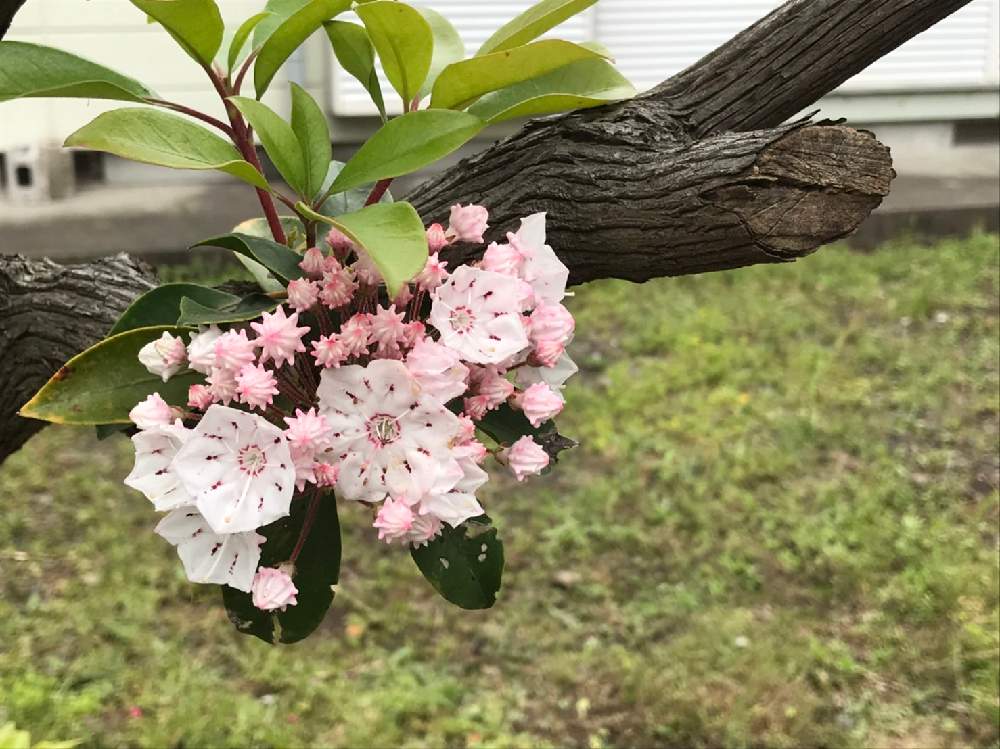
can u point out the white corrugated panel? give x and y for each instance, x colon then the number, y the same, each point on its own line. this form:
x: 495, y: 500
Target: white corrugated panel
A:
x: 115, y: 34
x: 475, y: 20
x: 653, y: 39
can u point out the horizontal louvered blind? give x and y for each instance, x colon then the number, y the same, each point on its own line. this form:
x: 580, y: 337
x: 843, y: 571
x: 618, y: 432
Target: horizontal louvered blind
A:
x: 653, y: 39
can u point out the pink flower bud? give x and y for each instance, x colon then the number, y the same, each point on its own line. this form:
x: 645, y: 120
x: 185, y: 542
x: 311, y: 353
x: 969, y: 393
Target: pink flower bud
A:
x: 153, y: 412
x: 312, y: 262
x: 437, y: 369
x: 273, y: 590
x: 493, y: 387
x: 503, y: 258
x: 340, y: 243
x: 233, y: 350
x: 307, y: 430
x: 540, y: 403
x: 467, y: 223
x: 394, y: 520
x: 222, y: 382
x: 326, y: 474
x: 414, y: 331
x: 337, y: 288
x: 433, y: 274
x: 302, y: 294
x: 547, y: 353
x: 200, y: 397
x: 329, y: 351
x: 476, y: 407
x: 366, y: 271
x: 165, y: 356
x: 201, y: 349
x: 256, y: 386
x: 526, y: 458
x: 550, y: 323
x: 436, y: 239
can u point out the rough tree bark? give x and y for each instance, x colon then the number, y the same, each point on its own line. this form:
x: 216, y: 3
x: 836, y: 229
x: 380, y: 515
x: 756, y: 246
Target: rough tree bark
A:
x: 48, y: 313
x: 698, y: 174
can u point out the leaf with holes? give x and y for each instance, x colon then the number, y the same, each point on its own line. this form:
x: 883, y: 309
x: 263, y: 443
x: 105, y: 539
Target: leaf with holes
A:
x: 162, y: 305
x: 464, y: 564
x: 101, y: 385
x: 317, y: 569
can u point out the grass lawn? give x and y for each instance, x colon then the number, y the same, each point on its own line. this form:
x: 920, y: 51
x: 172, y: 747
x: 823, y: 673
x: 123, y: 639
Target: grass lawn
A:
x: 780, y: 530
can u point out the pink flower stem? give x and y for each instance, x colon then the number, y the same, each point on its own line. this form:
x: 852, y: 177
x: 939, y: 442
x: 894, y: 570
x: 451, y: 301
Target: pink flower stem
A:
x: 307, y: 525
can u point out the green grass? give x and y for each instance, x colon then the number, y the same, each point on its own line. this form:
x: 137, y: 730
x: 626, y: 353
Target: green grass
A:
x: 780, y: 530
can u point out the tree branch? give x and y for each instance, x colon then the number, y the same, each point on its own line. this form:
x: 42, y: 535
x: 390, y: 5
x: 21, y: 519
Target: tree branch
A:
x: 49, y: 313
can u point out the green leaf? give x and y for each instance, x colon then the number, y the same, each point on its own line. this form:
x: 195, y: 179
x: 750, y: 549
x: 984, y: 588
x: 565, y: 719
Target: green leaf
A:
x: 406, y: 144
x: 162, y: 305
x: 313, y: 134
x: 464, y: 564
x: 391, y: 233
x: 155, y: 137
x: 505, y: 426
x: 247, y: 308
x: 532, y: 23
x: 580, y: 85
x: 104, y: 383
x: 356, y: 55
x: 31, y: 70
x: 240, y: 38
x: 288, y: 36
x: 317, y: 569
x: 196, y: 25
x: 278, y: 12
x: 448, y: 46
x: 404, y: 41
x: 295, y: 232
x: 278, y: 139
x: 277, y: 258
x: 348, y: 201
x: 463, y: 82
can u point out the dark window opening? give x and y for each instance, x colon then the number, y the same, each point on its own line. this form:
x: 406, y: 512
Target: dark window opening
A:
x: 977, y: 132
x: 88, y: 167
x: 3, y: 172
x: 23, y: 177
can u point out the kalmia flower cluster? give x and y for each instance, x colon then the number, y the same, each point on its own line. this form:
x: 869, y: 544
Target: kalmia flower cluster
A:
x: 343, y: 389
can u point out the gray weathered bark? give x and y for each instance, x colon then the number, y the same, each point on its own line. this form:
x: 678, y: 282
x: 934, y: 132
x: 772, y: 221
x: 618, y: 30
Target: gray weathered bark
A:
x: 48, y: 313
x: 684, y: 179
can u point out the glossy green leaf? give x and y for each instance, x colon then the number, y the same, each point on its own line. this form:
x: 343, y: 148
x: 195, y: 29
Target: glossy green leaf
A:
x: 196, y: 25
x: 463, y: 82
x: 347, y: 201
x: 404, y: 41
x: 162, y: 305
x: 532, y: 23
x: 448, y: 47
x: 464, y: 564
x: 356, y: 55
x: 391, y: 233
x: 278, y: 12
x: 317, y: 570
x: 247, y: 308
x: 31, y: 70
x: 241, y: 37
x: 313, y: 134
x: 104, y: 383
x: 295, y: 232
x: 292, y: 32
x: 278, y: 139
x: 406, y: 144
x: 277, y: 258
x: 505, y: 426
x: 164, y: 139
x: 580, y: 85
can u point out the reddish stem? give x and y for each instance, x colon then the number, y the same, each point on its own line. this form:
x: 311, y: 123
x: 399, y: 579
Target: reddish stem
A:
x: 307, y: 524
x: 238, y: 85
x: 244, y: 142
x: 207, y: 118
x: 378, y: 191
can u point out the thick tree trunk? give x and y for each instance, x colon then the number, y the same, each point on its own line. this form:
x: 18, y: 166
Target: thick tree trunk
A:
x: 698, y: 174
x: 48, y: 313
